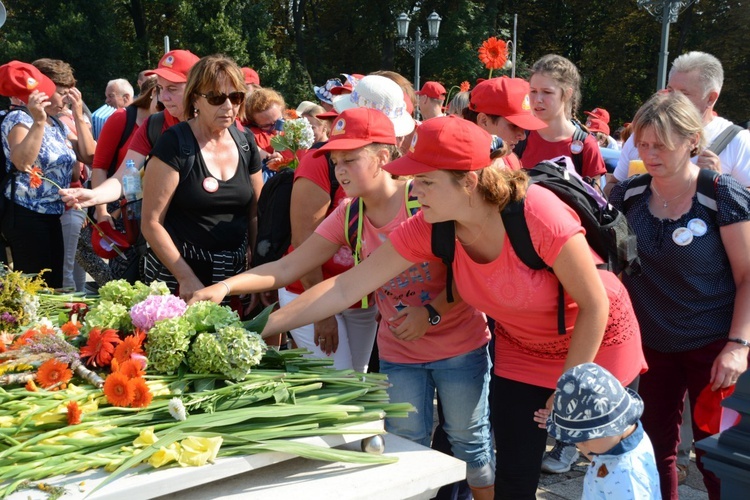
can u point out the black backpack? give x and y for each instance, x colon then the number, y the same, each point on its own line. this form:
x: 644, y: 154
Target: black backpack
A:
x: 274, y: 218
x: 131, y: 113
x: 607, y: 230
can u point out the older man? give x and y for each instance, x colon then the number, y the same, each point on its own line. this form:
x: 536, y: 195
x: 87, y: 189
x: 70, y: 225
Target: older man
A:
x: 118, y: 94
x: 700, y: 76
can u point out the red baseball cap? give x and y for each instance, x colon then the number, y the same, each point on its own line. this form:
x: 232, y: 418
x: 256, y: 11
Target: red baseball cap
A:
x: 596, y: 125
x: 104, y: 247
x: 328, y: 115
x: 599, y: 113
x: 251, y: 76
x: 19, y: 80
x: 174, y: 66
x: 357, y: 127
x: 433, y: 90
x: 506, y: 97
x: 444, y: 143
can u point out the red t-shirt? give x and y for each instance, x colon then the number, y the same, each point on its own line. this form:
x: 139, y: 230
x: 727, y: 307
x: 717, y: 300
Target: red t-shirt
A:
x: 316, y: 170
x: 110, y: 137
x: 140, y: 143
x: 523, y: 301
x: 538, y: 150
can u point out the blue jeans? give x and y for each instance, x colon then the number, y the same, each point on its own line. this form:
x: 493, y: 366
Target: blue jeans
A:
x: 462, y: 383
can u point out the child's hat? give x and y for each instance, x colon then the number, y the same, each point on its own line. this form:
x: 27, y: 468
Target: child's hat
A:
x: 357, y: 127
x: 104, y: 239
x: 591, y: 403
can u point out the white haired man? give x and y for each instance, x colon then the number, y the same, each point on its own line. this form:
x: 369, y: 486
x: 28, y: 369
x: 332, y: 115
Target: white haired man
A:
x: 118, y: 94
x: 699, y: 76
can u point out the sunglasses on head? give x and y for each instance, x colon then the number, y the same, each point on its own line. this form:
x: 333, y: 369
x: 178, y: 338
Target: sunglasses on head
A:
x: 235, y: 98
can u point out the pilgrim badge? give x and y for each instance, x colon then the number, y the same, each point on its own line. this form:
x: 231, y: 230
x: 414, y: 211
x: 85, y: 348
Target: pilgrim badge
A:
x: 603, y: 471
x: 682, y: 236
x: 698, y: 227
x: 576, y: 147
x: 210, y: 184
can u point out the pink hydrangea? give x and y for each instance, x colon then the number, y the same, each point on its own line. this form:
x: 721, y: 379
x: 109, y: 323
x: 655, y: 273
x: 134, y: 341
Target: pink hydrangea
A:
x: 154, y: 308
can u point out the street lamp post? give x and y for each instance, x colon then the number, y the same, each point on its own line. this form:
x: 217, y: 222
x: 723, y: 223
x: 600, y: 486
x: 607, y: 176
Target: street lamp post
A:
x: 667, y: 10
x: 417, y: 47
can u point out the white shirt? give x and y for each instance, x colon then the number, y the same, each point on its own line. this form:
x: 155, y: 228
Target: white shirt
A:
x: 735, y: 159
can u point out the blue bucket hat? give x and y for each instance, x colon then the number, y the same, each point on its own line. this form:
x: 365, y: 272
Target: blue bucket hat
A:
x: 324, y: 91
x: 591, y: 403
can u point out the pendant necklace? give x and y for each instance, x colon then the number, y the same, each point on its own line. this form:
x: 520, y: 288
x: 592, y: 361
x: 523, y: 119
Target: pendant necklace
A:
x: 665, y: 203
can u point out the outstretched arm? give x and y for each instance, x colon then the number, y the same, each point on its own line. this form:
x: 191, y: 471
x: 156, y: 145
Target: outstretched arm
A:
x: 338, y: 293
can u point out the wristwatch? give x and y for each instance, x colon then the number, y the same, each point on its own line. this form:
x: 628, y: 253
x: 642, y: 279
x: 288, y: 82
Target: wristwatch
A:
x: 435, y: 317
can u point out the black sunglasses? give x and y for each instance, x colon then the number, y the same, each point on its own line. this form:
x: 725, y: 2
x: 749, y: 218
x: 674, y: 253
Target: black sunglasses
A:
x: 236, y: 98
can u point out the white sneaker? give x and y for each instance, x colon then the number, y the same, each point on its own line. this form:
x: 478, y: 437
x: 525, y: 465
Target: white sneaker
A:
x: 560, y: 458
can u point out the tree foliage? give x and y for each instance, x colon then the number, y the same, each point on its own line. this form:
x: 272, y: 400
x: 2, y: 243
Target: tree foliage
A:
x: 295, y: 44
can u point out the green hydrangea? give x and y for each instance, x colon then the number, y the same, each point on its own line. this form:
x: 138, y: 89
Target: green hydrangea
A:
x: 207, y: 354
x: 122, y: 292
x: 108, y: 314
x: 244, y: 351
x: 207, y: 316
x: 167, y: 344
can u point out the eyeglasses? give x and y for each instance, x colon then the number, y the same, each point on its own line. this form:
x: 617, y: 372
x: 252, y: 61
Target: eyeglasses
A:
x: 236, y: 98
x: 270, y: 128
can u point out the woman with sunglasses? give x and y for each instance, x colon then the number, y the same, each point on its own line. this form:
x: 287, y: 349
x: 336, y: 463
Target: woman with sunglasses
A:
x: 197, y: 208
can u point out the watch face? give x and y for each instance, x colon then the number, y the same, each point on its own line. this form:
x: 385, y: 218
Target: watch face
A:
x: 434, y: 320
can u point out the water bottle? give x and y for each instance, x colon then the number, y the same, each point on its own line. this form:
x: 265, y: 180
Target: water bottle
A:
x: 131, y: 187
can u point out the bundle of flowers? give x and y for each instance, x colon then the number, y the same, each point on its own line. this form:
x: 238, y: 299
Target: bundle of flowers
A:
x: 296, y: 134
x: 18, y: 298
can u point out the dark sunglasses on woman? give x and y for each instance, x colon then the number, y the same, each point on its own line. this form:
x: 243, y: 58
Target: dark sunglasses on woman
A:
x: 236, y: 98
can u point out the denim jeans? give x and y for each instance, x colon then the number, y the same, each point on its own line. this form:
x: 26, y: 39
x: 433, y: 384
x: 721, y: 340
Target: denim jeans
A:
x: 462, y: 383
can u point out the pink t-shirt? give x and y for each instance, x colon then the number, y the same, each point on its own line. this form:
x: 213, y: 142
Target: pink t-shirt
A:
x: 538, y: 149
x: 528, y: 347
x: 461, y: 330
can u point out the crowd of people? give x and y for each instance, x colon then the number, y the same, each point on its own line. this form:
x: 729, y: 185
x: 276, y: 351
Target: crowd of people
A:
x: 605, y: 364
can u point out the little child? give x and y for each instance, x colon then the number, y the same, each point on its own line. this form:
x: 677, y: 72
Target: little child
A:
x: 593, y: 410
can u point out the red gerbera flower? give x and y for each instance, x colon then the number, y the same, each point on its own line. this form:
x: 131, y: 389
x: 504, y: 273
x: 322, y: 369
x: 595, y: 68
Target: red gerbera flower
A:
x: 71, y: 329
x: 53, y: 373
x: 117, y: 390
x: 100, y: 346
x: 133, y: 344
x: 493, y: 53
x: 130, y: 368
x: 35, y: 177
x: 141, y: 394
x: 74, y: 413
x: 465, y: 86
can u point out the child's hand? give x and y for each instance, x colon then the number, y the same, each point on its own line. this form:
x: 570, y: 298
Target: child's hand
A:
x: 540, y: 417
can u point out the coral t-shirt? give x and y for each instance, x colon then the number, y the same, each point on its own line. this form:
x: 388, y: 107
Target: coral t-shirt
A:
x: 316, y: 170
x: 461, y: 330
x: 140, y: 142
x: 528, y: 347
x: 109, y: 138
x: 538, y: 149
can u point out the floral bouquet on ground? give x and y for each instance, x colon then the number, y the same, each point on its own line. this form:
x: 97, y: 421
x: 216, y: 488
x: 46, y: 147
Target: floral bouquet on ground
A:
x: 19, y: 302
x: 296, y: 134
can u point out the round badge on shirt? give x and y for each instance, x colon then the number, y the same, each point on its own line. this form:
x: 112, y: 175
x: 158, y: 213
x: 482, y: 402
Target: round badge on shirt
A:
x: 576, y: 147
x: 697, y: 227
x: 682, y: 236
x: 210, y: 184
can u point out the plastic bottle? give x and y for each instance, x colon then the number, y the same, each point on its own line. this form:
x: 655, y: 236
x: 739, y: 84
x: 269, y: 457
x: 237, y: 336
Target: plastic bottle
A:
x: 131, y: 187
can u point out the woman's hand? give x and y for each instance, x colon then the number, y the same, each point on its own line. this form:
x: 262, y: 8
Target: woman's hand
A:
x: 214, y: 293
x: 189, y: 286
x: 728, y: 366
x: 38, y: 102
x: 414, y: 325
x: 78, y: 198
x: 75, y: 99
x: 326, y: 335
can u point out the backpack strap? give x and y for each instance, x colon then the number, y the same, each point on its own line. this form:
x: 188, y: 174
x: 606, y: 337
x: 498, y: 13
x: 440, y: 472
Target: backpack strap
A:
x: 155, y: 124
x: 723, y: 139
x: 186, y: 146
x: 243, y: 144
x: 131, y: 113
x: 707, y: 184
x: 443, y: 243
x: 518, y: 233
x: 636, y: 187
x: 579, y: 135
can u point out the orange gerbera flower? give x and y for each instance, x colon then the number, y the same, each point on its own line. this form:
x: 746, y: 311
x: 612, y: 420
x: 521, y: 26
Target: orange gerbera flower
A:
x: 291, y: 114
x: 35, y: 177
x: 130, y: 368
x: 31, y: 386
x: 74, y: 413
x: 465, y: 86
x: 100, y: 346
x: 53, y: 373
x: 493, y: 53
x: 71, y: 329
x: 141, y: 394
x: 117, y: 390
x: 132, y: 344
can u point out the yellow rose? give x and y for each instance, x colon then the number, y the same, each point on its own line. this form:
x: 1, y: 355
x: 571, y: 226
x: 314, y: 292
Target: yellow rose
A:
x: 197, y: 451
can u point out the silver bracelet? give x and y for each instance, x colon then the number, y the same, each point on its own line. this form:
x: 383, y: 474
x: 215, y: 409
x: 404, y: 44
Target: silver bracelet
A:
x: 739, y: 341
x: 229, y: 290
